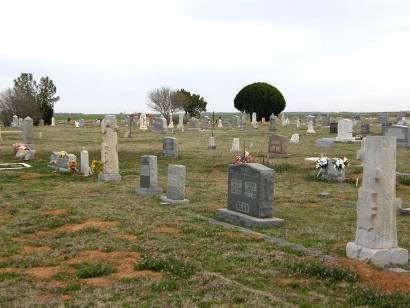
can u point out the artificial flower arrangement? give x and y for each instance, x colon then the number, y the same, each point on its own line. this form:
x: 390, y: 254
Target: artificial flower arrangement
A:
x: 96, y: 166
x: 339, y: 163
x: 246, y: 158
x: 72, y: 166
x: 19, y: 147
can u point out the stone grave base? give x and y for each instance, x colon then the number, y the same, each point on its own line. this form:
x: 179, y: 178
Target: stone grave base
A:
x: 211, y: 147
x: 379, y: 257
x: 405, y: 211
x: 152, y: 191
x: 237, y: 218
x: 109, y: 177
x: 59, y: 169
x: 348, y: 140
x: 172, y: 201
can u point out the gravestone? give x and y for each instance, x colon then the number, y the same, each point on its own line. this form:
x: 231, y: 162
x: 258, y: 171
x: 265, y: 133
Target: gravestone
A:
x: 211, y: 143
x: 194, y: 124
x: 272, y: 122
x: 81, y: 123
x: 331, y: 173
x: 27, y: 128
x: 298, y: 123
x: 365, y: 128
x: 333, y: 127
x: 310, y: 125
x: 109, y: 150
x: 402, y: 134
x: 324, y: 143
x: 15, y: 122
x: 294, y: 139
x: 158, y: 126
x: 220, y: 123
x: 170, y: 147
x: 171, y: 121
x: 235, y: 146
x: 377, y: 206
x: 53, y: 121
x: 20, y: 123
x: 254, y: 123
x: 384, y: 119
x: 180, y: 121
x: 278, y: 146
x: 63, y: 162
x: 143, y: 121
x: 311, y: 118
x: 41, y: 122
x: 148, y: 176
x: 345, y: 130
x: 250, y: 196
x: 85, y: 163
x: 325, y: 120
x: 176, y: 185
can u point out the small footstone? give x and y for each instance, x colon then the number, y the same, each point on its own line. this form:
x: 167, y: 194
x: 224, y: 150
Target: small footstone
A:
x: 324, y: 194
x: 405, y: 211
x: 240, y: 219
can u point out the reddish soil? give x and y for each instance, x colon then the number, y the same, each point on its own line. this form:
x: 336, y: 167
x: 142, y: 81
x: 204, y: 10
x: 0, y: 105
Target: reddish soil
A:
x: 312, y: 205
x: 89, y: 223
x: 38, y: 272
x: 235, y: 235
x: 31, y: 176
x: 216, y: 205
x: 166, y: 230
x: 57, y: 212
x: 387, y: 281
x: 30, y: 249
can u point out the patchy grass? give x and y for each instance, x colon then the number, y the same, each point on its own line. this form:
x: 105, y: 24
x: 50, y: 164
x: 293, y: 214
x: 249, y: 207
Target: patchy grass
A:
x: 91, y: 270
x: 171, y: 266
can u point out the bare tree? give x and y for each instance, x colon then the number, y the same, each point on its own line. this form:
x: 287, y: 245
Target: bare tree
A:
x: 165, y: 101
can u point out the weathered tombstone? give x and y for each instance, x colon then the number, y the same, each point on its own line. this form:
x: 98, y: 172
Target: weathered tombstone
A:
x: 109, y: 150
x: 235, y: 145
x: 194, y: 124
x: 176, y: 185
x: 63, y: 162
x: 355, y: 120
x: 272, y: 122
x: 278, y: 146
x: 250, y: 196
x: 298, y: 123
x: 377, y: 205
x: 170, y: 147
x: 344, y: 130
x: 53, y: 121
x: 27, y: 128
x: 365, y: 128
x: 171, y: 122
x: 312, y: 119
x: 324, y: 142
x: 402, y: 134
x: 211, y: 143
x: 15, y: 122
x: 220, y: 123
x: 254, y: 123
x: 384, y: 119
x: 81, y: 123
x: 333, y: 127
x: 310, y: 124
x: 85, y: 163
x: 158, y: 125
x: 143, y: 121
x: 324, y: 120
x: 41, y: 122
x: 294, y: 139
x: 180, y: 121
x: 148, y: 176
x: 20, y: 123
x: 331, y: 173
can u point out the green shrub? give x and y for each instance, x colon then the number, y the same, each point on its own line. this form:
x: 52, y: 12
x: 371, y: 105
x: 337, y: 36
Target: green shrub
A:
x: 262, y: 98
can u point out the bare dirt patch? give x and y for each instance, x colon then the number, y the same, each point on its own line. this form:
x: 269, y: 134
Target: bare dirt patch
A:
x: 312, y: 205
x: 70, y: 228
x: 38, y: 272
x: 166, y: 230
x: 388, y: 281
x: 236, y: 235
x: 217, y: 205
x: 98, y: 255
x: 31, y: 176
x: 57, y: 212
x: 31, y: 249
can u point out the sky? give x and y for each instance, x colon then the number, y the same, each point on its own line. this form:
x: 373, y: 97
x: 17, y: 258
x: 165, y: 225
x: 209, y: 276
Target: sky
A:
x: 105, y: 56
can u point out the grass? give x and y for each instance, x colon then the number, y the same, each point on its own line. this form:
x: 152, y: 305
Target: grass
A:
x: 201, y: 264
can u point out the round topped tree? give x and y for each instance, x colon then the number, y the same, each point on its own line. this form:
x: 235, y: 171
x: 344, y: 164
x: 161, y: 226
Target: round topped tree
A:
x: 262, y: 98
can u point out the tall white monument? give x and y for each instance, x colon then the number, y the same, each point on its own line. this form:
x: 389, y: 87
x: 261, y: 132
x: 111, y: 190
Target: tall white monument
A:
x: 109, y: 150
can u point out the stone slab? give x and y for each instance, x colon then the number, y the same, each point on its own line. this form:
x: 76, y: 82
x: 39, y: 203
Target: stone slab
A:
x: 151, y: 191
x: 107, y: 177
x: 172, y: 201
x: 405, y: 211
x: 240, y: 219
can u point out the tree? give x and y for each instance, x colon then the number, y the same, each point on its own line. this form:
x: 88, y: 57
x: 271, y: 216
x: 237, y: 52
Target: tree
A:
x: 165, y: 101
x: 260, y: 97
x: 46, y: 98
x: 194, y: 104
x: 28, y: 98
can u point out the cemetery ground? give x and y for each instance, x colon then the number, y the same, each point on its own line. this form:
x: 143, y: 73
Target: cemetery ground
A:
x: 69, y: 239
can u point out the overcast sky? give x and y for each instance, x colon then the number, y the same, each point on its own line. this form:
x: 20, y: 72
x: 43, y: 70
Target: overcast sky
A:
x: 105, y: 56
